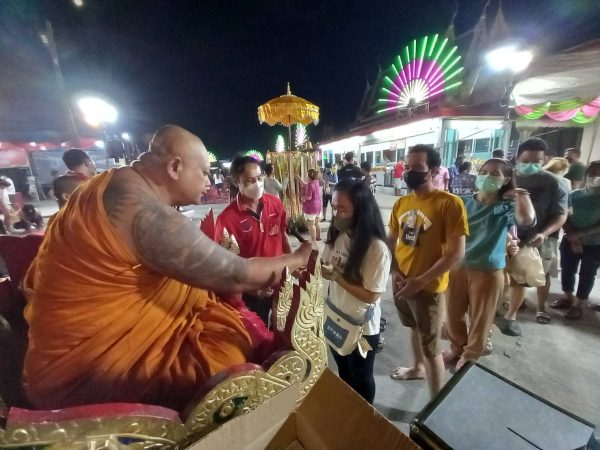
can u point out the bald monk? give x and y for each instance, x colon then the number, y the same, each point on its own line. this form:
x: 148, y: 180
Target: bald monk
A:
x: 122, y: 302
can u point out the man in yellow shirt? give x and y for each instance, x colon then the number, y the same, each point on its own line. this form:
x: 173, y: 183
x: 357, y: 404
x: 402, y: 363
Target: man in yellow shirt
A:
x: 427, y: 237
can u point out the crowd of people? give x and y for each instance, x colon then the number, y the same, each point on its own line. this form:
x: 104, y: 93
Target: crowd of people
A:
x: 452, y: 236
x: 449, y: 251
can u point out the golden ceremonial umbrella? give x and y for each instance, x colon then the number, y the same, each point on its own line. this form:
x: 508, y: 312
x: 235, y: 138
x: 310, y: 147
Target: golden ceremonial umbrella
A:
x: 288, y: 110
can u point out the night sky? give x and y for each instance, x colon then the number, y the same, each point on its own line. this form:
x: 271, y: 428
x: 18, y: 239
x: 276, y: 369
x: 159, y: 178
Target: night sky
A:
x: 207, y: 65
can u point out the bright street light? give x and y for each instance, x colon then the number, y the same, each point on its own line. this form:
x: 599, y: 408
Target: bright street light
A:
x: 99, y: 144
x: 78, y: 3
x: 126, y: 136
x: 509, y: 58
x: 96, y: 111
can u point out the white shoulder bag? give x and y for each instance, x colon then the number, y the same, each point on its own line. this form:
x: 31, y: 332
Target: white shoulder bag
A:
x: 343, y: 332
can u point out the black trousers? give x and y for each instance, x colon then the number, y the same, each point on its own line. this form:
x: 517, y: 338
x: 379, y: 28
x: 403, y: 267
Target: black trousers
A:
x: 569, y: 263
x: 357, y: 371
x: 261, y: 306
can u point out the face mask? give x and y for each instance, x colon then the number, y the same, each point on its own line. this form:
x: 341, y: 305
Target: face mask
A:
x: 342, y: 223
x: 254, y: 191
x: 414, y: 180
x: 489, y: 183
x: 593, y: 182
x: 528, y: 168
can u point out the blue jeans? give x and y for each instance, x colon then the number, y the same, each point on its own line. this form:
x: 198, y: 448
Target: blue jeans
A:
x: 357, y: 371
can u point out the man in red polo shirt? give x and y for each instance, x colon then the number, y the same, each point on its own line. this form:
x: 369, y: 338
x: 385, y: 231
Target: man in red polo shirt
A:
x: 256, y: 222
x: 398, y: 177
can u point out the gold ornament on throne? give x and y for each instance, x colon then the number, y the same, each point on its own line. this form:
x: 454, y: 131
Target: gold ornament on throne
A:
x: 298, y: 318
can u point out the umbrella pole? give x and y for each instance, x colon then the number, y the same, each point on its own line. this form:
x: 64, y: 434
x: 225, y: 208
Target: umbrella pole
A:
x: 290, y: 132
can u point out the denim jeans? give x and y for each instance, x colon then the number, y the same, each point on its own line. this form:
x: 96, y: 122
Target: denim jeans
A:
x: 357, y: 371
x: 569, y: 263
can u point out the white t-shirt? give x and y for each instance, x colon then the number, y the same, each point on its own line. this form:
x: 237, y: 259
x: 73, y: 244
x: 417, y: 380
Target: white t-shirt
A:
x: 375, y: 272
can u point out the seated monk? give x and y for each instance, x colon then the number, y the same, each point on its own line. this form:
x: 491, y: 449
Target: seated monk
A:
x: 122, y: 302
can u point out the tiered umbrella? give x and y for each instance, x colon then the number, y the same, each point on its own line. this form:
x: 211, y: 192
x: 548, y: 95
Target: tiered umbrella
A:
x: 288, y: 110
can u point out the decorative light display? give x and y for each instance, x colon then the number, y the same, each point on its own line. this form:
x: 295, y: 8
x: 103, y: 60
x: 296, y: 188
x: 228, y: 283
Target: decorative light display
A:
x: 212, y: 157
x: 578, y: 111
x: 254, y: 154
x: 300, y: 135
x: 425, y: 69
x: 279, y: 144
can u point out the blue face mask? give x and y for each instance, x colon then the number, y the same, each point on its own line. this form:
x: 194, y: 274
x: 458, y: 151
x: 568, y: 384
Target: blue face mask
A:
x: 528, y: 168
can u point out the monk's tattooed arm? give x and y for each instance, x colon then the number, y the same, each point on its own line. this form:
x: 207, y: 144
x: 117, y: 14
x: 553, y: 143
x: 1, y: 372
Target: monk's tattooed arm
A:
x: 170, y: 244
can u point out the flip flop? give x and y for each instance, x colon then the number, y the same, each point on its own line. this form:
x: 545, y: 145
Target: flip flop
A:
x: 595, y: 307
x: 406, y: 373
x: 562, y: 303
x: 543, y: 318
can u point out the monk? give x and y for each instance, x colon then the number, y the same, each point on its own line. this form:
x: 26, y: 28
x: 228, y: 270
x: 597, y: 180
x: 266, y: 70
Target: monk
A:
x: 122, y: 302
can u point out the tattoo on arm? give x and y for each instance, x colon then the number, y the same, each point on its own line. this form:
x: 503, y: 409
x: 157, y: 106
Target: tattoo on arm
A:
x: 169, y: 243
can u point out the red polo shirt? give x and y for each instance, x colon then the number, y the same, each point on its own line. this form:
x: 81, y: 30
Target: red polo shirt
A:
x: 257, y: 234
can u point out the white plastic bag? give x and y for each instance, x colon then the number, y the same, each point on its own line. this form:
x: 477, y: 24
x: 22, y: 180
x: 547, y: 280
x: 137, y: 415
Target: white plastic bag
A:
x: 526, y: 267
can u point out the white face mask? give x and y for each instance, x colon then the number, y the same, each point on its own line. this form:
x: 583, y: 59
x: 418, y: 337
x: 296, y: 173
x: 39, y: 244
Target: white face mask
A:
x: 254, y: 191
x: 593, y: 182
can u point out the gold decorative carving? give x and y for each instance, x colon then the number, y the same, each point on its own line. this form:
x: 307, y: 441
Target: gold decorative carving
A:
x: 235, y: 395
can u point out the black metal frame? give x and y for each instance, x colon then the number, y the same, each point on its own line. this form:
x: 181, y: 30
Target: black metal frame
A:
x: 426, y: 438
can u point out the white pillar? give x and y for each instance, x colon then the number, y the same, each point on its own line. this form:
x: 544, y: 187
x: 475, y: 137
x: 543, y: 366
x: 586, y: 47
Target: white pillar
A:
x: 590, y: 143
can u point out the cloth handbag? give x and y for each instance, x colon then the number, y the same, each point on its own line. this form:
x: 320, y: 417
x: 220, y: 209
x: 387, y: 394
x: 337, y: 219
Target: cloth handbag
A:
x: 343, y: 332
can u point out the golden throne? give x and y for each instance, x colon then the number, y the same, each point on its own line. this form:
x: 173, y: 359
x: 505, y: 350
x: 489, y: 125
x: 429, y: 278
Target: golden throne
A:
x: 297, y: 354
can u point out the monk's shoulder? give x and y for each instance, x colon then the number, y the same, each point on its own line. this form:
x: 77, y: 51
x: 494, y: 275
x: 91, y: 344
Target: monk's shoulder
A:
x: 125, y: 192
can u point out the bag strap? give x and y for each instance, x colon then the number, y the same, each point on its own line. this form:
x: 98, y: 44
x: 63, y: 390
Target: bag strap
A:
x: 368, y: 314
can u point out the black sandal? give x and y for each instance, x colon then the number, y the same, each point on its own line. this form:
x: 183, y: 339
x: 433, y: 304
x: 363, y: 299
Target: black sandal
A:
x: 543, y: 318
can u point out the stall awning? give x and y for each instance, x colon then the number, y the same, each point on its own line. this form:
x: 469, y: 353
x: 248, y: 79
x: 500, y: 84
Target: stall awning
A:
x: 570, y: 75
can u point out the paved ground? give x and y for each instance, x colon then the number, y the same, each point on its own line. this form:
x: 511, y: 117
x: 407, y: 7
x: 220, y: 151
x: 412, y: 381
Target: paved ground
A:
x: 559, y: 361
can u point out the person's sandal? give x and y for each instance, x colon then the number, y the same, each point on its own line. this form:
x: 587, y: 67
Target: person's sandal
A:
x: 574, y: 313
x: 511, y: 328
x: 562, y: 303
x: 543, y: 318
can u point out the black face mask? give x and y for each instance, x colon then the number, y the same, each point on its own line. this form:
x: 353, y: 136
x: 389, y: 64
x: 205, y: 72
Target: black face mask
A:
x: 414, y: 180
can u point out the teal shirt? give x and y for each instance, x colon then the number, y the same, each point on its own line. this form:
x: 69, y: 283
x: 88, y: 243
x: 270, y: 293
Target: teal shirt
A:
x: 586, y: 213
x: 488, y: 225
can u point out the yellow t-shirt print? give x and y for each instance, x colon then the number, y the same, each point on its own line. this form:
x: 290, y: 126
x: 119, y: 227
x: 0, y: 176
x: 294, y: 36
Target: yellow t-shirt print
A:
x: 413, y: 224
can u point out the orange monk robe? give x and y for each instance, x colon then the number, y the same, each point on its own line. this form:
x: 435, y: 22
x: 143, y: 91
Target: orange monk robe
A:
x: 104, y: 328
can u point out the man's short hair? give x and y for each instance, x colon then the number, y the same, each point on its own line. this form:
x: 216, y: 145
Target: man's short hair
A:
x: 349, y: 157
x: 532, y: 145
x: 239, y: 165
x: 75, y: 157
x: 498, y: 153
x: 269, y: 169
x: 66, y: 184
x: 574, y: 150
x: 366, y: 166
x: 434, y: 161
x: 593, y: 165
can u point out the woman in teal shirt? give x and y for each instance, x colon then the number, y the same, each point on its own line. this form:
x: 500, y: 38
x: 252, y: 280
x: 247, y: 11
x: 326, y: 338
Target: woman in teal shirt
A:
x: 581, y: 244
x: 477, y: 282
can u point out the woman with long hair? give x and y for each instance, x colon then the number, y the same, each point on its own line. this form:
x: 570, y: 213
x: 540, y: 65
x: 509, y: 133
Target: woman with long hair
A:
x: 359, y: 266
x: 477, y: 282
